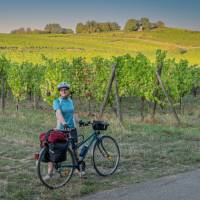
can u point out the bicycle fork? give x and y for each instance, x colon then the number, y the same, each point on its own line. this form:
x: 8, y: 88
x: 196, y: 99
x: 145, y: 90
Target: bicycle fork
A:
x: 105, y: 153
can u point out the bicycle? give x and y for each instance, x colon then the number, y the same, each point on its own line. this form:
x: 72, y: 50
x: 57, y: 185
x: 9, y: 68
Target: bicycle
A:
x: 105, y: 156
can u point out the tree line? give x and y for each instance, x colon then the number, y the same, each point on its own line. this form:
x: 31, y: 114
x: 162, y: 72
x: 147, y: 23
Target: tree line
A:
x: 94, y: 27
x: 53, y: 28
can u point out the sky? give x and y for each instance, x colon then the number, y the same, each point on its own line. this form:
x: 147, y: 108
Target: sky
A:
x: 37, y: 13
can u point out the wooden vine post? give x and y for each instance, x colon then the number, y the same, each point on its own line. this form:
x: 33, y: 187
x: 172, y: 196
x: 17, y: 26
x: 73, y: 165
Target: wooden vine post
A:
x: 113, y: 77
x: 168, y: 98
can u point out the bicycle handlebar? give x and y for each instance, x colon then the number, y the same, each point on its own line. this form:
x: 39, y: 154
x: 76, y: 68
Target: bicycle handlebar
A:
x: 82, y: 123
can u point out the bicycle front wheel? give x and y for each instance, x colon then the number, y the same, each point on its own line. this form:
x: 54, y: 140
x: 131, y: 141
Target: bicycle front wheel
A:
x: 106, y: 156
x: 55, y: 175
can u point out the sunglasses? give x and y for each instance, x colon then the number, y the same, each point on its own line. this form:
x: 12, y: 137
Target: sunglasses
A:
x: 63, y: 89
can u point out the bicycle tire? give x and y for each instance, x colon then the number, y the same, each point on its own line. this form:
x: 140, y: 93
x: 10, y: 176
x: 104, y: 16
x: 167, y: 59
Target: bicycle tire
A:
x: 99, y: 147
x: 68, y: 177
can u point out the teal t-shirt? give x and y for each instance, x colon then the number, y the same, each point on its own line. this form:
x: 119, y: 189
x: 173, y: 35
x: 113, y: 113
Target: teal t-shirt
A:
x: 67, y: 108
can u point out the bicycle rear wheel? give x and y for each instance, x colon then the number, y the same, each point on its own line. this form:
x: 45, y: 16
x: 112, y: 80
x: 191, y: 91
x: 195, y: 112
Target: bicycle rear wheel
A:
x: 106, y: 156
x: 61, y: 172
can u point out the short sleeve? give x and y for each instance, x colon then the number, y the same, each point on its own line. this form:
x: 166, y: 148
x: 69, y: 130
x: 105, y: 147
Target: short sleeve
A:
x: 56, y: 104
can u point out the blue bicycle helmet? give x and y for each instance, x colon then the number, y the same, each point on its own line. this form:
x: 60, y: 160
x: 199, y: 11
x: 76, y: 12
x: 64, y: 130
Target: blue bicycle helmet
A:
x: 63, y: 85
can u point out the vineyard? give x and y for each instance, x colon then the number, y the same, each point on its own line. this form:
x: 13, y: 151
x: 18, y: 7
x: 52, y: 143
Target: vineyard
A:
x: 136, y: 76
x: 148, y: 150
x: 151, y: 145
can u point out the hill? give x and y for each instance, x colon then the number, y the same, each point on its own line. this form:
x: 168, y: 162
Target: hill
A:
x: 179, y: 43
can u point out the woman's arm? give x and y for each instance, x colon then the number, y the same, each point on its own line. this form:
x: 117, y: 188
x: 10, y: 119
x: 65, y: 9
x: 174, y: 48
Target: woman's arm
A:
x: 60, y: 117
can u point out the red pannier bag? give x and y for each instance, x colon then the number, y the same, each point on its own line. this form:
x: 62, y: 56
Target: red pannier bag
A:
x: 54, y: 136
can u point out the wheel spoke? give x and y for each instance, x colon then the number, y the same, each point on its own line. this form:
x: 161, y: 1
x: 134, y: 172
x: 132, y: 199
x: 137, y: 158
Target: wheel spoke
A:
x: 60, y: 173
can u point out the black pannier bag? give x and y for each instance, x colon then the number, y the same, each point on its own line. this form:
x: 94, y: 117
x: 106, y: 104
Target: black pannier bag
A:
x: 45, y: 157
x: 57, y: 152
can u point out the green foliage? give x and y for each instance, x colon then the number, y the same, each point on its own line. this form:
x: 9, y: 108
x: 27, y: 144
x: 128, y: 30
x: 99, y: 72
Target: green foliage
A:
x: 33, y: 75
x: 131, y: 25
x: 4, y: 66
x: 160, y: 24
x: 67, y: 31
x: 94, y: 27
x: 176, y: 77
x: 134, y: 24
x: 184, y: 78
x: 195, y: 71
x: 18, y: 31
x: 17, y: 80
x: 135, y: 74
x: 79, y: 77
x: 53, y: 28
x: 145, y: 23
x: 81, y: 28
x: 55, y: 72
x: 29, y: 47
x: 101, y: 72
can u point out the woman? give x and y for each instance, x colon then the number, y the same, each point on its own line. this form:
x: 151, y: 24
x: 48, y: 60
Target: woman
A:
x: 64, y: 109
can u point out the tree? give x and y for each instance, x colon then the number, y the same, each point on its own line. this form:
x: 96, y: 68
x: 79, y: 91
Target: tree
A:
x: 153, y: 25
x: 131, y: 25
x: 114, y: 26
x: 145, y: 23
x: 67, y: 31
x: 93, y: 27
x: 103, y: 27
x: 81, y: 28
x: 160, y: 24
x: 18, y: 31
x: 28, y: 30
x: 53, y: 28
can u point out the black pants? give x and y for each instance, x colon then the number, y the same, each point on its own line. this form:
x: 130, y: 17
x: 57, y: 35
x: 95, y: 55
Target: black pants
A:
x: 74, y: 135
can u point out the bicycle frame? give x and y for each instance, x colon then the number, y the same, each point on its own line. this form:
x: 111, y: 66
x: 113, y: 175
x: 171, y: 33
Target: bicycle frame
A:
x: 92, y: 138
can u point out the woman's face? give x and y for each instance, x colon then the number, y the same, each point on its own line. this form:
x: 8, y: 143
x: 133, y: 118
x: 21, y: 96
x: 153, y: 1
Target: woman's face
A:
x: 64, y: 92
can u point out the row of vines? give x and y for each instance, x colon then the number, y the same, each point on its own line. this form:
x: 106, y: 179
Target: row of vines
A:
x: 135, y: 75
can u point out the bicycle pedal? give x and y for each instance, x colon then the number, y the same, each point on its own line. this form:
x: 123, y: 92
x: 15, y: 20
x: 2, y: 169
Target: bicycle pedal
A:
x: 109, y: 157
x: 64, y: 173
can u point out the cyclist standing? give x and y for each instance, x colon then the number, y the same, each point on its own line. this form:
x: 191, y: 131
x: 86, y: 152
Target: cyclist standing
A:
x: 64, y: 109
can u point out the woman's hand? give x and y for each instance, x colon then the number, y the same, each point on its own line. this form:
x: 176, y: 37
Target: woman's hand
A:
x: 66, y: 127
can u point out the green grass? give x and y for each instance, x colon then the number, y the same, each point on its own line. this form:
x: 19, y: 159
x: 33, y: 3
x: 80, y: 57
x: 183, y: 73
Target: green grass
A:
x: 30, y: 47
x: 148, y: 150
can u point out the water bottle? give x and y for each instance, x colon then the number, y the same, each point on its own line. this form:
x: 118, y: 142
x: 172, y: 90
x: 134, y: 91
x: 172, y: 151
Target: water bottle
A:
x: 83, y: 152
